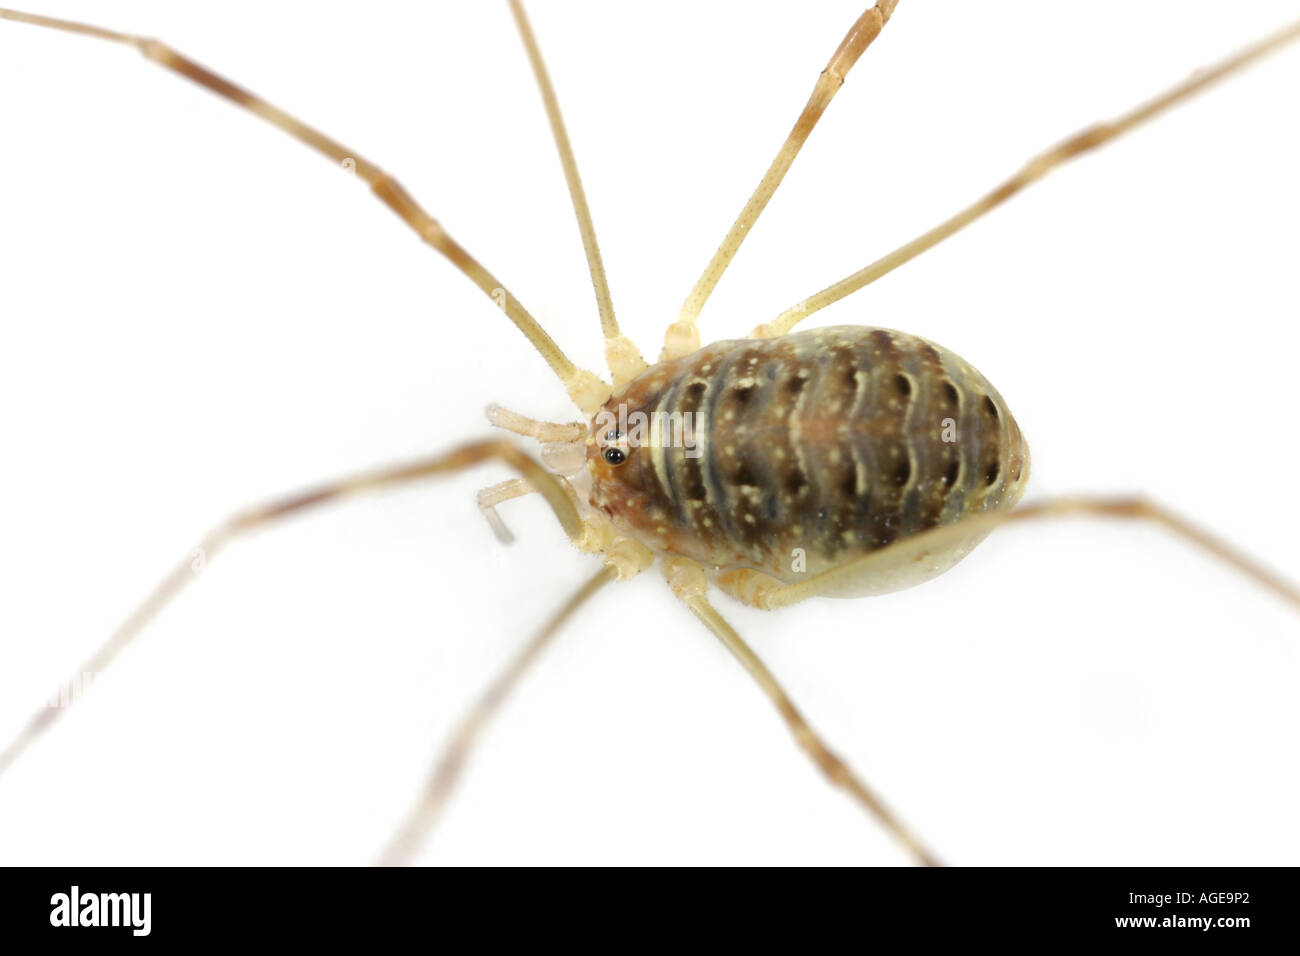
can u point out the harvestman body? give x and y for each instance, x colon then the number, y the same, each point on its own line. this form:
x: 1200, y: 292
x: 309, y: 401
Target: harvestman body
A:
x: 835, y: 462
x: 826, y: 445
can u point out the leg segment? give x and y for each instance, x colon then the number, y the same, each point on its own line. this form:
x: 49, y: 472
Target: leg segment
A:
x: 1035, y: 169
x: 447, y: 771
x: 490, y: 497
x: 683, y: 336
x: 556, y: 493
x: 766, y: 592
x: 687, y: 580
x: 586, y: 390
x: 624, y: 360
x: 531, y: 428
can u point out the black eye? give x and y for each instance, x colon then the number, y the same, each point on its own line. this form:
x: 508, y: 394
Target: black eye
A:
x: 615, y: 456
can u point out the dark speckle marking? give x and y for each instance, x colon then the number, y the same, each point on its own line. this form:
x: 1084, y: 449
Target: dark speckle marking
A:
x: 903, y: 473
x: 991, y: 475
x: 950, y: 476
x: 904, y: 385
x: 991, y: 408
x: 796, y: 482
x: 883, y: 340
x: 950, y: 394
x: 744, y: 393
x: 696, y: 390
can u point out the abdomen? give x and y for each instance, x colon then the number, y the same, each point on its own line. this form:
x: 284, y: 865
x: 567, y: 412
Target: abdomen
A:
x: 818, y: 446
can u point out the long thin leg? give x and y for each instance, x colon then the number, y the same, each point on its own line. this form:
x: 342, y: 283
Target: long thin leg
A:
x: 554, y: 491
x: 1038, y: 167
x: 586, y: 390
x: 765, y: 592
x: 422, y: 817
x: 688, y: 582
x: 683, y: 336
x: 623, y: 357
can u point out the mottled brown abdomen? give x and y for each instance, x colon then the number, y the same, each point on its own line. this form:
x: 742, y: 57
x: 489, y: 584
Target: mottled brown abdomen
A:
x: 834, y: 441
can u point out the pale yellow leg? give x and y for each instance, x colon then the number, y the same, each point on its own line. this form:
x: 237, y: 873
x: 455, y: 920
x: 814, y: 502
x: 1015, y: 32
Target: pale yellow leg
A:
x: 624, y: 359
x: 493, y: 495
x: 683, y: 335
x: 687, y: 580
x: 586, y: 389
x: 422, y: 817
x: 762, y: 591
x: 556, y: 492
x: 1035, y: 169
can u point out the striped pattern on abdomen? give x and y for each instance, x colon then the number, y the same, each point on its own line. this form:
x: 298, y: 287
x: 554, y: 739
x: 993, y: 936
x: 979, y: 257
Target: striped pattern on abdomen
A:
x: 836, y: 441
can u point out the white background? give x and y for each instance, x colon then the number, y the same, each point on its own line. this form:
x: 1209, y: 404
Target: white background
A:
x: 196, y: 313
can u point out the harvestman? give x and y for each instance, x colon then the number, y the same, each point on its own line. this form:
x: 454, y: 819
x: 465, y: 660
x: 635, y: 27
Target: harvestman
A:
x: 582, y: 473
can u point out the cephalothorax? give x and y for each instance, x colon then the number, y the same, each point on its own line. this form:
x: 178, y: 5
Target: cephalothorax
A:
x: 834, y: 462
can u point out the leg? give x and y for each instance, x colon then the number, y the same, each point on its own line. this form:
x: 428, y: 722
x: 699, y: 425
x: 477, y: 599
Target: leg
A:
x: 764, y: 592
x: 553, y: 489
x: 688, y: 582
x: 1035, y: 169
x: 683, y: 336
x: 624, y: 360
x: 490, y: 497
x: 586, y: 390
x: 446, y: 772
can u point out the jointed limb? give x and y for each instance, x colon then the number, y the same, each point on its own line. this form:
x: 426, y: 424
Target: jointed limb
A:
x: 586, y: 390
x: 447, y: 772
x: 624, y: 360
x: 532, y: 428
x: 683, y: 336
x: 556, y: 493
x: 490, y: 497
x: 688, y: 582
x: 765, y: 592
x: 1035, y: 169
